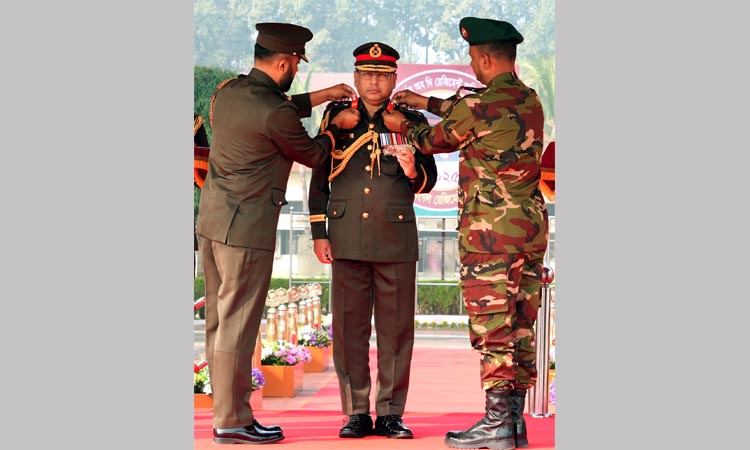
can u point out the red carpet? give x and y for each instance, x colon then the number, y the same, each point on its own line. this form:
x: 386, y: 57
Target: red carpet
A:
x: 444, y: 395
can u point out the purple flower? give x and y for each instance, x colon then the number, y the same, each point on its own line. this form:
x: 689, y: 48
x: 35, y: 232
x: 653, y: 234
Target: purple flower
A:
x: 552, y: 392
x: 285, y: 354
x: 258, y: 380
x: 314, y: 337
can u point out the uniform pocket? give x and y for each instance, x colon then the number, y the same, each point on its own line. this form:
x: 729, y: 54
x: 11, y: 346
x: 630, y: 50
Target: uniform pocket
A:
x: 400, y: 213
x: 278, y: 197
x: 484, y: 280
x: 485, y: 298
x: 336, y: 209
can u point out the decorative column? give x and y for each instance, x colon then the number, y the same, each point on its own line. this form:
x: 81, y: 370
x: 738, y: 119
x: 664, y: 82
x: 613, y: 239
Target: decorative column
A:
x: 539, y: 395
x: 281, y: 322
x: 292, y: 323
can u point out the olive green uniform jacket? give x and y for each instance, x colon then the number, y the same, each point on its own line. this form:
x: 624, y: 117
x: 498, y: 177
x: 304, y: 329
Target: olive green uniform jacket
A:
x: 369, y: 206
x: 257, y: 135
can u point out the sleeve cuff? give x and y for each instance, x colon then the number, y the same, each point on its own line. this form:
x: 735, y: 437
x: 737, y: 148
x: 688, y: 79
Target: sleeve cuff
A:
x: 433, y: 105
x: 303, y: 104
x: 333, y: 128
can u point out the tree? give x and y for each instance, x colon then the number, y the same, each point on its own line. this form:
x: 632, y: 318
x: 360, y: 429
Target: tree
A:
x: 205, y: 80
x: 539, y: 74
x: 422, y: 31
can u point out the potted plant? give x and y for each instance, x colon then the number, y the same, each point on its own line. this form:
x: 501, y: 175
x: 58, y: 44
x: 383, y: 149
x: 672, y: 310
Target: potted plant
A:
x: 202, y: 388
x: 318, y: 342
x: 280, y: 364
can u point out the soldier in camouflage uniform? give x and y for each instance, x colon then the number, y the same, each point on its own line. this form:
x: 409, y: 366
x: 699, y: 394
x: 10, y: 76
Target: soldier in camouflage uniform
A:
x: 365, y: 192
x: 502, y: 224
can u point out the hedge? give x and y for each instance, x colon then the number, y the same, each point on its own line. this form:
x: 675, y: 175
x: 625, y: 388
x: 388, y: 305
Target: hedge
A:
x: 431, y: 299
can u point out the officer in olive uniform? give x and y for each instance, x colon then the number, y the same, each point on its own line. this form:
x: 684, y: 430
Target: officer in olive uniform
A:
x: 502, y: 223
x: 257, y: 135
x: 365, y: 190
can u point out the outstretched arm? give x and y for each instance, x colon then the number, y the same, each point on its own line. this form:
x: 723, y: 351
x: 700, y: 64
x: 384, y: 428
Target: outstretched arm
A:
x: 340, y: 91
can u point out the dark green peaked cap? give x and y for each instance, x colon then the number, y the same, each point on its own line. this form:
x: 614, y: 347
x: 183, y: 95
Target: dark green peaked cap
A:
x: 285, y: 38
x: 483, y: 31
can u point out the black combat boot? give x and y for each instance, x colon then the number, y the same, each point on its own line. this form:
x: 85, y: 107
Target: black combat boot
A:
x: 494, y: 431
x: 517, y: 403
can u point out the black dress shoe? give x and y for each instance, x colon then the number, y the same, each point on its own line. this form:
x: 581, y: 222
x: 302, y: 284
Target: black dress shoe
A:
x: 357, y: 426
x: 246, y: 435
x: 257, y: 425
x: 392, y: 426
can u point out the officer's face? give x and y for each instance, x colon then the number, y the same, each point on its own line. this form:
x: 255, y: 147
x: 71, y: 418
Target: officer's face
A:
x: 291, y: 70
x: 286, y: 80
x: 375, y: 87
x: 476, y: 65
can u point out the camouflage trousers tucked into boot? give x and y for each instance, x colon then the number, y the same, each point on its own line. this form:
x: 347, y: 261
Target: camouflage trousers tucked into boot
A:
x: 494, y: 431
x: 517, y: 402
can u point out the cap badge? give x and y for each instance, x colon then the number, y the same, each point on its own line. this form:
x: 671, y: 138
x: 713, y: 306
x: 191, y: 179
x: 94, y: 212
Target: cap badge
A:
x: 464, y: 33
x: 375, y: 51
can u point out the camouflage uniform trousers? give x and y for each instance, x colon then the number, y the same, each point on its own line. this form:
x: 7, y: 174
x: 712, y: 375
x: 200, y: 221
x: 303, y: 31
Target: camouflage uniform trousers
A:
x: 502, y: 297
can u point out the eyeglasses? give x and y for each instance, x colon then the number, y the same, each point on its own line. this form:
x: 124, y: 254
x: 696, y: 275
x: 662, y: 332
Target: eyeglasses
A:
x: 379, y: 76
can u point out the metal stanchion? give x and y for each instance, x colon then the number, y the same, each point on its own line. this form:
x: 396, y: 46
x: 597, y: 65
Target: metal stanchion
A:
x: 539, y: 395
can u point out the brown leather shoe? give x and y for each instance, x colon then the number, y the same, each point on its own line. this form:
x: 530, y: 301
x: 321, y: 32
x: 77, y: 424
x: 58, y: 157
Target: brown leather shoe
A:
x: 246, y: 435
x: 392, y: 426
x: 357, y: 426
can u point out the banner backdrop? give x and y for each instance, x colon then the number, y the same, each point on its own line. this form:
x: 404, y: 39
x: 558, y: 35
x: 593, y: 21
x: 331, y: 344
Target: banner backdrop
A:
x: 437, y: 80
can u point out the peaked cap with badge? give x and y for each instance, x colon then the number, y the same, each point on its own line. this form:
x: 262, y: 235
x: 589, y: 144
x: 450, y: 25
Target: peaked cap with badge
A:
x: 285, y: 38
x: 375, y: 57
x: 477, y: 31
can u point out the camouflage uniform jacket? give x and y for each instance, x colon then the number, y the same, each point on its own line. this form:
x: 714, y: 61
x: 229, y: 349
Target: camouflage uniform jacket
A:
x: 369, y: 207
x: 257, y: 135
x: 498, y: 132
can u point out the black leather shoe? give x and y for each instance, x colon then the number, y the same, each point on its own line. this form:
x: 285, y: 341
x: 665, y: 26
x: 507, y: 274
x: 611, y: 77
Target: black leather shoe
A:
x: 357, y: 426
x: 246, y: 435
x: 392, y: 426
x: 257, y: 425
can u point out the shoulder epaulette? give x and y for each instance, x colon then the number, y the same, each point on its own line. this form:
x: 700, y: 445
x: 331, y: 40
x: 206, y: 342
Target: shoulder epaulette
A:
x: 337, y: 105
x: 213, y: 98
x: 198, y: 123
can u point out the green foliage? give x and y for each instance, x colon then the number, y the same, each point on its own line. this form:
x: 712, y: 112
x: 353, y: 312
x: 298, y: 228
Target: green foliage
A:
x: 539, y: 74
x: 196, y: 202
x: 423, y: 31
x: 199, y: 285
x: 444, y: 299
x: 431, y: 299
x: 205, y: 80
x: 199, y: 290
x: 201, y: 382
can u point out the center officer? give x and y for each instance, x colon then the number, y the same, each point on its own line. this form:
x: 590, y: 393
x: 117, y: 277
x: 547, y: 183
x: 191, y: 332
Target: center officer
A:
x: 365, y: 189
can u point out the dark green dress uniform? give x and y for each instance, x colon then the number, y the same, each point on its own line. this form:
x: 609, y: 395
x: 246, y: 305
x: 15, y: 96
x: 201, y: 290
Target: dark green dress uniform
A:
x: 372, y: 229
x: 257, y: 135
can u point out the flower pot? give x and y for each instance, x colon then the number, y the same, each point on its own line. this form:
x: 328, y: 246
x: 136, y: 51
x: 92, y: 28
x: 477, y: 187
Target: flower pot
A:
x: 282, y: 381
x: 319, y: 361
x: 202, y: 401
